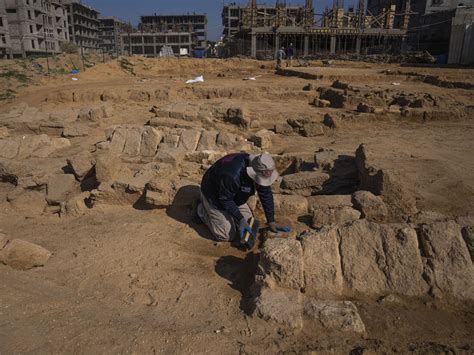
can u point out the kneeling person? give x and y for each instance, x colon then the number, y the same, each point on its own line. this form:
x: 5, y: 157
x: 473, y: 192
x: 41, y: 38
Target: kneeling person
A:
x: 225, y: 189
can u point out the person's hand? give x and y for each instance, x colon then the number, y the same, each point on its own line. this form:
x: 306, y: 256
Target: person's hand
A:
x: 275, y: 228
x: 243, y: 228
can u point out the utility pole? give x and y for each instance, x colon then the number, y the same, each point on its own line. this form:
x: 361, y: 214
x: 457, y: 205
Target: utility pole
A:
x: 45, y: 42
x: 82, y: 57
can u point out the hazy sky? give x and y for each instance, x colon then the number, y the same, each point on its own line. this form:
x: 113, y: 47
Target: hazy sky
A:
x: 131, y: 10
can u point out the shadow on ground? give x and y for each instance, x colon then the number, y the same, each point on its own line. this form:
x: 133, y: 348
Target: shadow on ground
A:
x: 183, y: 208
x: 241, y: 274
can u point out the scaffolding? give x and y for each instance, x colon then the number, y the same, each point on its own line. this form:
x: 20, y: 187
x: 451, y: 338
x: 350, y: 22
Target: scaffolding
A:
x: 263, y: 29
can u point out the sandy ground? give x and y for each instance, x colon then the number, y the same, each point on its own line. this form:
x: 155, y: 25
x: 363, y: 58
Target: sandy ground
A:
x: 124, y: 280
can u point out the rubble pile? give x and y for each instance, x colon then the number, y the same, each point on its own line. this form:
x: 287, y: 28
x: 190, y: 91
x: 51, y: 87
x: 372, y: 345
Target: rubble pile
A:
x: 378, y: 101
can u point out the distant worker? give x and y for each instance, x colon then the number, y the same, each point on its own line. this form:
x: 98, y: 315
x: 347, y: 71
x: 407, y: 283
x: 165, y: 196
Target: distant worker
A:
x: 225, y: 189
x: 290, y: 53
x: 280, y: 55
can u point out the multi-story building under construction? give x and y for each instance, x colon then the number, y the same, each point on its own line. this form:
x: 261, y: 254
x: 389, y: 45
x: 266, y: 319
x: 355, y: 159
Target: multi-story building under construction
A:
x: 110, y: 30
x: 194, y: 24
x: 35, y: 26
x: 83, y: 25
x: 259, y: 30
x: 5, y: 43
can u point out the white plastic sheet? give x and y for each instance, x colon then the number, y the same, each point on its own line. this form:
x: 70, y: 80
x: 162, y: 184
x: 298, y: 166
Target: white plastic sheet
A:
x: 197, y: 79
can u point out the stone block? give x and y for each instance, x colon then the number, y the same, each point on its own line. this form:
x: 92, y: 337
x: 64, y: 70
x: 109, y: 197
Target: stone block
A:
x: 322, y: 263
x: 371, y: 207
x: 81, y: 165
x: 9, y: 148
x: 133, y: 141
x: 291, y: 204
x: 281, y: 262
x: 262, y: 139
x: 108, y: 167
x: 281, y: 306
x: 207, y: 141
x: 324, y: 216
x: 60, y: 187
x: 448, y: 263
x: 304, y: 183
x: 189, y: 139
x: 150, y: 140
x: 329, y: 201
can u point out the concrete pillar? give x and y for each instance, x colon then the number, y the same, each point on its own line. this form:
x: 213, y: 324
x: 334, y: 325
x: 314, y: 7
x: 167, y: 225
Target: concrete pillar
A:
x: 253, y: 52
x: 306, y: 46
x: 333, y: 44
x: 358, y: 44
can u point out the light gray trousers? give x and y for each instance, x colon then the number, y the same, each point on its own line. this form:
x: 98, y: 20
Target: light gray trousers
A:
x: 221, y: 223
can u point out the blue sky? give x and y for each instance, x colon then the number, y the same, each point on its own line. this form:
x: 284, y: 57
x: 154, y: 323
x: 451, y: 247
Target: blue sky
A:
x: 131, y: 10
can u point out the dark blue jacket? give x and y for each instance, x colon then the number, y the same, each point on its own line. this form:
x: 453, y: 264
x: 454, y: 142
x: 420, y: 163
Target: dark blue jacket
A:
x: 227, y: 186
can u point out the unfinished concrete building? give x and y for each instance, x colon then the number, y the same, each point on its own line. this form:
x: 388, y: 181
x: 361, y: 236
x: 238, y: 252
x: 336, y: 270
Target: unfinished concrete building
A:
x: 430, y: 24
x: 36, y: 26
x: 5, y: 43
x: 461, y: 44
x: 259, y: 30
x: 110, y: 30
x: 83, y: 26
x: 150, y: 44
x: 193, y: 24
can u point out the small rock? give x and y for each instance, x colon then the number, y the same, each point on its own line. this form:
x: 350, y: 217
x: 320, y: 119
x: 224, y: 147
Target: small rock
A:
x: 363, y: 107
x: 3, y: 240
x: 23, y: 255
x: 329, y: 121
x: 321, y: 103
x: 335, y: 315
x: 4, y: 132
x: 312, y: 129
x: 262, y: 139
x: 238, y: 116
x: 390, y: 299
x: 325, y: 158
x: 255, y: 124
x: 75, y: 206
x: 283, y: 128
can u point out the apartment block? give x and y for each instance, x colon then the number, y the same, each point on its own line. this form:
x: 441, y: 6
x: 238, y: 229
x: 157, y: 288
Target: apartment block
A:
x: 83, y: 25
x: 193, y: 24
x: 110, y: 29
x: 149, y: 44
x: 5, y: 43
x: 36, y: 26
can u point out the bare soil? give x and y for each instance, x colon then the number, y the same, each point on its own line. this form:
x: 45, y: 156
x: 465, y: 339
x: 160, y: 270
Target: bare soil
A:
x: 126, y: 280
